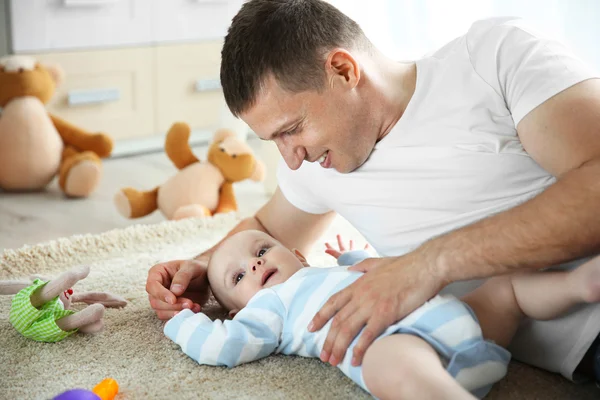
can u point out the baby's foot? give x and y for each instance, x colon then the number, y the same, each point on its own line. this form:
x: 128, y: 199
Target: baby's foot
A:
x: 587, y: 277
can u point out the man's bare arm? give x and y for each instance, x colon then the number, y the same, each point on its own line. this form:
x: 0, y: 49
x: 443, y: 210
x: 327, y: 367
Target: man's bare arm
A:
x: 562, y: 223
x: 286, y: 223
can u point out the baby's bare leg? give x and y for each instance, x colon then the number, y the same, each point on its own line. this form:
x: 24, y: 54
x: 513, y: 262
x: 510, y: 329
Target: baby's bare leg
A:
x: 502, y: 302
x: 406, y: 367
x: 496, y: 308
x: 550, y: 294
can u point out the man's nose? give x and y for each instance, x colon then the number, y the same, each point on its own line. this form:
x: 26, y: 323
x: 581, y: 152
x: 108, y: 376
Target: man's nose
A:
x: 292, y: 155
x: 256, y: 264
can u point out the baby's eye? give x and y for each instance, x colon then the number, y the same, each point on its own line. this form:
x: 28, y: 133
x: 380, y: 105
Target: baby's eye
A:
x: 238, y: 277
x: 262, y: 252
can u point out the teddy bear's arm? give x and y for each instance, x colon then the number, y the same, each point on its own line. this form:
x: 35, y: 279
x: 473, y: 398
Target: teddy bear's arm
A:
x: 227, y: 202
x: 99, y: 143
x: 177, y: 145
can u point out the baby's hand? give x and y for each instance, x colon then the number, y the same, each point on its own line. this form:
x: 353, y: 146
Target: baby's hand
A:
x: 342, y: 249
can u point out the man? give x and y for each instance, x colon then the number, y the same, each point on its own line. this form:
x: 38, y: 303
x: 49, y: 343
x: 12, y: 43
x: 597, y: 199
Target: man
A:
x: 479, y: 160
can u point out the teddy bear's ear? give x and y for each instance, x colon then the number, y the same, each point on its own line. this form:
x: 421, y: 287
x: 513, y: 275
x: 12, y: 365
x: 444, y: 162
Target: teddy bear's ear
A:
x: 222, y: 134
x: 57, y: 73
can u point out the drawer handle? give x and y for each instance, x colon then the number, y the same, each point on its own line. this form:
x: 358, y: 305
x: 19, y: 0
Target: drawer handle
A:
x: 207, y: 85
x: 94, y: 96
x: 88, y: 3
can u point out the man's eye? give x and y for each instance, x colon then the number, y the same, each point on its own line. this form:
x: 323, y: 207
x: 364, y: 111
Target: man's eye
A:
x: 238, y: 277
x: 262, y: 252
x: 292, y: 131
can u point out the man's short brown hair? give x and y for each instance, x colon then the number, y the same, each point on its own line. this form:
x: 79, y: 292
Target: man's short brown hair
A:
x: 286, y: 38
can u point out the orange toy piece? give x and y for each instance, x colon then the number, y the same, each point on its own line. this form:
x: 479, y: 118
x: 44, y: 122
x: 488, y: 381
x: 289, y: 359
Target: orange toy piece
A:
x: 200, y: 188
x: 107, y: 389
x: 36, y: 146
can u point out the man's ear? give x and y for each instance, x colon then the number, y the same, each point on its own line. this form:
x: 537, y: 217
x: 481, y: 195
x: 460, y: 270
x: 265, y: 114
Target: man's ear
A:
x: 300, y: 257
x: 232, y: 313
x: 341, y: 65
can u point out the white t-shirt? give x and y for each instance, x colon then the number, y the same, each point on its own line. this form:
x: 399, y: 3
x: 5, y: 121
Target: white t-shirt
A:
x: 454, y: 157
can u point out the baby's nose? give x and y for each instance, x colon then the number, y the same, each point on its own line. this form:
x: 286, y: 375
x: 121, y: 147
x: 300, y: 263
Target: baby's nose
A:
x: 257, y: 262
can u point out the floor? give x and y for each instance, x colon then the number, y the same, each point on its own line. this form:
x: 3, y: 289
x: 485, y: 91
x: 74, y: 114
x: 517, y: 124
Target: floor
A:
x: 29, y: 218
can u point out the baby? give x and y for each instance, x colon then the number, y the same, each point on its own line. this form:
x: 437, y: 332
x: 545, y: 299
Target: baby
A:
x: 445, y: 345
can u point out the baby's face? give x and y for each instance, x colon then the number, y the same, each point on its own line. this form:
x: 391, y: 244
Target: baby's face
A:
x: 247, y: 262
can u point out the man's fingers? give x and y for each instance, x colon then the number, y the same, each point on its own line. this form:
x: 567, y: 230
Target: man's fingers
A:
x: 349, y: 328
x: 340, y: 243
x: 351, y: 245
x: 155, y: 289
x: 337, y: 324
x: 189, y: 270
x: 166, y: 315
x: 180, y: 304
x: 329, y: 309
x: 374, y: 328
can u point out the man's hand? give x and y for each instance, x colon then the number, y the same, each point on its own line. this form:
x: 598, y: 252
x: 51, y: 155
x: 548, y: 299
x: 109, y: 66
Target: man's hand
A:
x: 175, y: 285
x: 390, y: 289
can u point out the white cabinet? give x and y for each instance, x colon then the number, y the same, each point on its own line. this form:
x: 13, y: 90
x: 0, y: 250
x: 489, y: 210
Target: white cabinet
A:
x: 43, y: 25
x: 59, y: 25
x: 185, y: 20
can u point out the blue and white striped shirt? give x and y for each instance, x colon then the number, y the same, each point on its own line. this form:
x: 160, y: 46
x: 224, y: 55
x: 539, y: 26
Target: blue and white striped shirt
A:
x: 275, y: 320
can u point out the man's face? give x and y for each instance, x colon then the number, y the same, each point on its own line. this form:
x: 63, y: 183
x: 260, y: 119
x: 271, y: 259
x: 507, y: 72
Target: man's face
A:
x: 332, y: 127
x: 248, y: 262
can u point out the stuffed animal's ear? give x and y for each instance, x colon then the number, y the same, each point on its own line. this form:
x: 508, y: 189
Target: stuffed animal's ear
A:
x: 222, y: 134
x: 13, y: 287
x: 260, y: 171
x: 106, y: 299
x: 57, y: 73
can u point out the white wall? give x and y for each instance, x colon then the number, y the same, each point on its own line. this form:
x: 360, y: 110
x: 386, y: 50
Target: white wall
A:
x: 407, y: 29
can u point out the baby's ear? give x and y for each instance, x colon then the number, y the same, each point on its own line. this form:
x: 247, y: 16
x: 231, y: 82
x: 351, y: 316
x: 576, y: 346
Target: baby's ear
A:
x: 232, y: 313
x: 300, y: 257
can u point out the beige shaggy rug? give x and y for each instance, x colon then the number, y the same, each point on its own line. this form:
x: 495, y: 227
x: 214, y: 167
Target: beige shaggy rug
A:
x: 133, y: 350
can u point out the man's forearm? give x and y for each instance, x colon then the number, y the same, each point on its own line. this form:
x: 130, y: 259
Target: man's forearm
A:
x: 245, y: 224
x: 560, y: 224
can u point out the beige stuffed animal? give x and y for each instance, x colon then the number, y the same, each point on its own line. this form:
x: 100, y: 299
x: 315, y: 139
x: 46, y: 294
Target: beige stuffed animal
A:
x: 200, y: 188
x: 35, y: 146
x: 41, y: 308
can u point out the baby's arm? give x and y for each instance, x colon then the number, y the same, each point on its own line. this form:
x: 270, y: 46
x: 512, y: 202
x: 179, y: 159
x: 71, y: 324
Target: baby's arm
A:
x: 254, y: 333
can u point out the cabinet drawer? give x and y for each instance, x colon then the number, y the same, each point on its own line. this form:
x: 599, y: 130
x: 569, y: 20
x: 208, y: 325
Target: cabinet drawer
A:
x: 48, y: 25
x: 106, y: 91
x: 188, y: 87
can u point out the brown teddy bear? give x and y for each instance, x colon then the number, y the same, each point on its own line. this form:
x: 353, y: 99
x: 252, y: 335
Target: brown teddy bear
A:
x: 35, y: 145
x: 200, y: 188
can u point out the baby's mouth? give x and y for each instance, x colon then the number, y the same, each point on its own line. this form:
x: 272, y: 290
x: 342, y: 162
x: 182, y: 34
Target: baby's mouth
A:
x: 267, y: 275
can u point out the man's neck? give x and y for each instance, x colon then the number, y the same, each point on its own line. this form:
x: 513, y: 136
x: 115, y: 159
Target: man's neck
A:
x: 397, y: 82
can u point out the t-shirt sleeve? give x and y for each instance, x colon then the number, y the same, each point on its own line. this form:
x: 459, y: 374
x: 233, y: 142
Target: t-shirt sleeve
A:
x: 300, y: 187
x: 521, y: 65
